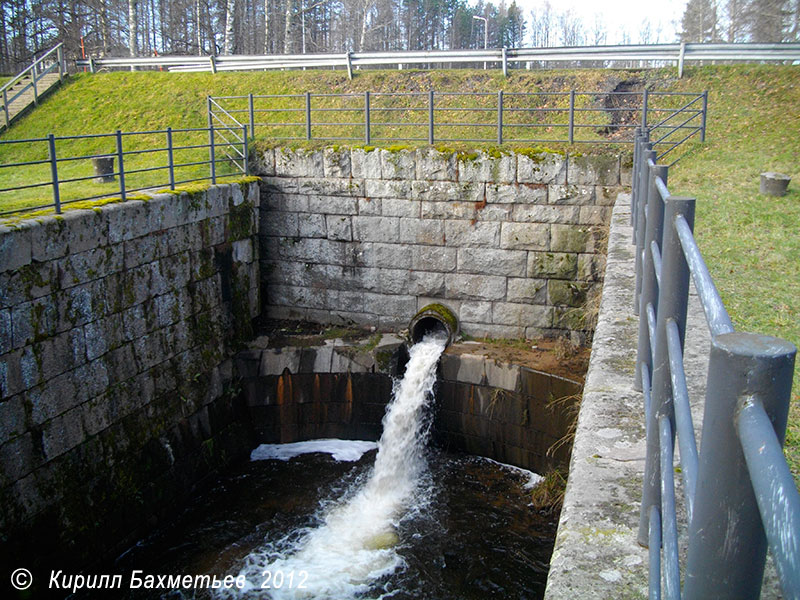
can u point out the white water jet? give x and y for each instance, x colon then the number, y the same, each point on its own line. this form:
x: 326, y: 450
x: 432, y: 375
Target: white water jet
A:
x: 354, y: 544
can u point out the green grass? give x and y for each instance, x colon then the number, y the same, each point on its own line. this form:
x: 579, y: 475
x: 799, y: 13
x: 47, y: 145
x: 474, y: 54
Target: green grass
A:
x: 751, y: 242
x: 147, y: 101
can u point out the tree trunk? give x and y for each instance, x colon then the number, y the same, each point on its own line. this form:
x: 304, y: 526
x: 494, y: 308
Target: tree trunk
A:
x: 288, y: 43
x: 198, y: 25
x: 229, y: 29
x: 267, y: 32
x: 133, y: 31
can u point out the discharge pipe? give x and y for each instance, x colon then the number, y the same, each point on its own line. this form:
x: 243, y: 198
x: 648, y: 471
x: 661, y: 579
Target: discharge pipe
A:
x: 433, y: 317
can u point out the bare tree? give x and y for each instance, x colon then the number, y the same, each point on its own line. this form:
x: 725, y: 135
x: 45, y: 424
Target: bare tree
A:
x: 133, y: 27
x: 230, y: 32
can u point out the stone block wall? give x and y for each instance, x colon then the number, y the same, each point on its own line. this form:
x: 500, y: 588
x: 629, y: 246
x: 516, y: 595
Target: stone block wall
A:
x: 117, y: 327
x: 513, y: 243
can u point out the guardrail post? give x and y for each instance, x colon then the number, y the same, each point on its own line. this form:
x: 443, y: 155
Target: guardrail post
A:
x: 245, y: 150
x: 91, y: 65
x: 505, y: 61
x: 121, y: 166
x: 641, y: 214
x: 349, y: 66
x: 653, y: 230
x: 430, y: 117
x: 51, y: 145
x: 212, y: 61
x: 681, y: 54
x: 367, y: 133
x: 703, y: 117
x: 727, y: 545
x: 308, y: 115
x: 171, y: 160
x: 500, y: 117
x: 571, y: 116
x: 673, y: 297
x: 645, y: 96
x: 252, y: 115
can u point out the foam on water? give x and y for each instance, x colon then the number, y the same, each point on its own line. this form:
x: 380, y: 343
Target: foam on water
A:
x: 340, y: 450
x: 354, y: 545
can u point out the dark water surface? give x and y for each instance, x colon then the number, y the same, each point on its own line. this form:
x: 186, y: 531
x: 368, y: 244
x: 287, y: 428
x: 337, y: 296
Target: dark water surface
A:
x: 476, y: 537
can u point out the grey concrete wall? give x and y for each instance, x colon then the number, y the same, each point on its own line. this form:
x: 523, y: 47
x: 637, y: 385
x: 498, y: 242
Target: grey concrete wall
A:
x: 500, y: 410
x: 512, y: 243
x: 116, y: 329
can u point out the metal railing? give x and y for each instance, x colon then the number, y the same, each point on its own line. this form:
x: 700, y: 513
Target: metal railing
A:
x: 51, y: 61
x: 501, y: 117
x: 66, y: 161
x: 660, y: 54
x: 739, y: 492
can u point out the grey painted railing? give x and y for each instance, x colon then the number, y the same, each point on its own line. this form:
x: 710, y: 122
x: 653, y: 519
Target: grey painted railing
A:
x: 499, y: 117
x: 740, y: 496
x: 50, y: 62
x: 231, y: 142
x: 659, y: 54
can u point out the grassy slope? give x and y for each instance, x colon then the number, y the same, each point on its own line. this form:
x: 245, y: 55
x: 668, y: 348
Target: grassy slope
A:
x: 751, y: 242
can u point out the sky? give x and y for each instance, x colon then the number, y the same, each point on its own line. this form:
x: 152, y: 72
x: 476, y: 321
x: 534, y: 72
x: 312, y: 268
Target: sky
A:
x: 621, y: 15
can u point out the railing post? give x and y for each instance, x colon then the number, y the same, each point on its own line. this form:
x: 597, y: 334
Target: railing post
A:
x: 212, y: 155
x: 5, y: 107
x: 245, y: 150
x: 673, y: 298
x: 34, y: 79
x: 252, y: 115
x: 653, y: 230
x: 349, y: 65
x: 308, y: 115
x: 51, y: 144
x: 500, y: 117
x: 571, y: 116
x: 430, y: 117
x: 505, y: 61
x: 91, y: 65
x: 703, y: 117
x: 171, y: 160
x: 367, y: 133
x: 121, y: 166
x: 60, y: 59
x: 681, y: 54
x: 646, y: 155
x: 645, y: 96
x: 212, y: 63
x: 637, y: 140
x: 727, y: 545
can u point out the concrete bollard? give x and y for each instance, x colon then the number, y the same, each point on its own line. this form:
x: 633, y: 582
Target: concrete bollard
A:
x: 774, y: 184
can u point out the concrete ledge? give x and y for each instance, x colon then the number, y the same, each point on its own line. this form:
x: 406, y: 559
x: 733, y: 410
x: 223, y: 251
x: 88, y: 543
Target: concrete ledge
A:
x: 596, y: 554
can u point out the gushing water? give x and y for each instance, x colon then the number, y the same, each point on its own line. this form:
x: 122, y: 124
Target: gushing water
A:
x: 355, y: 543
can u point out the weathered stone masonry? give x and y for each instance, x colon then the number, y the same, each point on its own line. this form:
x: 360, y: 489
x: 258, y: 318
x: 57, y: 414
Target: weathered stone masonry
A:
x: 117, y: 327
x: 513, y: 242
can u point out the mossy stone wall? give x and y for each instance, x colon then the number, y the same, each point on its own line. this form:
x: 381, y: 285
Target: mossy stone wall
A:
x: 512, y: 242
x: 117, y: 392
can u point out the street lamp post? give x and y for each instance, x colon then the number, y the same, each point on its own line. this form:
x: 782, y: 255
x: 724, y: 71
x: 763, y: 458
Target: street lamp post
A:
x: 485, y: 33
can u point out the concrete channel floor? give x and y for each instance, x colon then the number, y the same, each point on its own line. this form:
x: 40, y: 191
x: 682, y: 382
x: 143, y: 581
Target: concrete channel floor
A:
x: 596, y: 554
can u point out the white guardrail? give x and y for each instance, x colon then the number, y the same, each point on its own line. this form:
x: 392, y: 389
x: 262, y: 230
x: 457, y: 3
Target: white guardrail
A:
x: 651, y: 53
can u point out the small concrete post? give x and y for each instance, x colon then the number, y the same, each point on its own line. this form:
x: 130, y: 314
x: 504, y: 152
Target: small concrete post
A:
x: 727, y: 545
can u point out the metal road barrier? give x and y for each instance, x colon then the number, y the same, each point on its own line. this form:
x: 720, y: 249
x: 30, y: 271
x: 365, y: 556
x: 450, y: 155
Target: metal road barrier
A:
x: 501, y: 117
x: 226, y: 146
x: 740, y: 497
x: 658, y: 54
